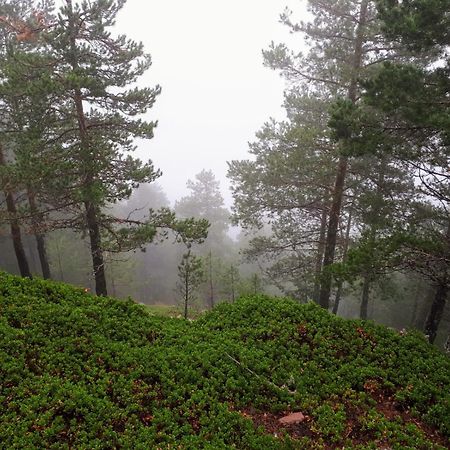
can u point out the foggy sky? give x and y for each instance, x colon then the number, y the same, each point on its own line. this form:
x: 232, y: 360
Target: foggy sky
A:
x: 215, y: 91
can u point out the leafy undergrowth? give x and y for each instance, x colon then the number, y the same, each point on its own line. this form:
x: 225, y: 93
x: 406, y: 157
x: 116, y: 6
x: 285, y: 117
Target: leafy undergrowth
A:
x: 173, y: 311
x: 84, y: 372
x: 164, y: 310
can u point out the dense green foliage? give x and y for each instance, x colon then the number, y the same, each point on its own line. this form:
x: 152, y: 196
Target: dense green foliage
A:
x: 79, y: 371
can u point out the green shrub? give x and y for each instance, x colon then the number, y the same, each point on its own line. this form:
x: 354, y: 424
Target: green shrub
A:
x: 78, y: 371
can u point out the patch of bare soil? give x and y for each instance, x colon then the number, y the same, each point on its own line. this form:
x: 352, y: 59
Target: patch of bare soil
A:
x: 391, y: 409
x: 282, y: 423
x: 272, y: 424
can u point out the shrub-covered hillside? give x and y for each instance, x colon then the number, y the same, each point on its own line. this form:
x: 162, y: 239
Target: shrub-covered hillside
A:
x: 79, y: 371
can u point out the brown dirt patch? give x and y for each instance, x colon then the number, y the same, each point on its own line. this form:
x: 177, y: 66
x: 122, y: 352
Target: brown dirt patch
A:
x: 385, y: 405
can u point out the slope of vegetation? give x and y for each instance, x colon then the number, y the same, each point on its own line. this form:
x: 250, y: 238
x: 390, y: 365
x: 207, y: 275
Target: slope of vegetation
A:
x: 79, y: 371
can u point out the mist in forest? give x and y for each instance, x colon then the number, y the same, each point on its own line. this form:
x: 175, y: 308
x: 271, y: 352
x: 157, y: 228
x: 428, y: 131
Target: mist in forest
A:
x: 306, y: 159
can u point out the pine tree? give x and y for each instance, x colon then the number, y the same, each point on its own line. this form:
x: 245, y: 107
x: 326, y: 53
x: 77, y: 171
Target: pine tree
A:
x: 205, y: 201
x: 286, y: 187
x: 99, y: 111
x: 82, y: 87
x: 190, y: 277
x: 344, y: 46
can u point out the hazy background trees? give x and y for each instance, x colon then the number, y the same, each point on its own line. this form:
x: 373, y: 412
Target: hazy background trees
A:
x: 350, y: 190
x: 344, y: 202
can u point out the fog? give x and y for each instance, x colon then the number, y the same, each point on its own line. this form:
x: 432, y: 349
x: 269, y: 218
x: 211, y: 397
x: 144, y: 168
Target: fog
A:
x: 215, y: 91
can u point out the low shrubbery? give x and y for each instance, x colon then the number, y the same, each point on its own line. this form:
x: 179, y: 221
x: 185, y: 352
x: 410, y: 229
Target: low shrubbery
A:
x: 79, y: 371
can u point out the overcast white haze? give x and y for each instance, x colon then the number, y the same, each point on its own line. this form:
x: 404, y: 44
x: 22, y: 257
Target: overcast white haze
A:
x: 215, y: 91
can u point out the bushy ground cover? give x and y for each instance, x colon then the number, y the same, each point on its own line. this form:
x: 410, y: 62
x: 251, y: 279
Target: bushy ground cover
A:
x: 77, y: 371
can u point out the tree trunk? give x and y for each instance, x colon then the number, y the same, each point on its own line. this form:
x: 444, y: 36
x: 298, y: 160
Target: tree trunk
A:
x: 186, y: 293
x: 232, y: 284
x: 437, y: 309
x: 112, y: 276
x: 45, y: 266
x: 424, y: 308
x: 58, y: 250
x: 330, y: 246
x: 319, y: 255
x: 337, y: 300
x: 341, y: 173
x: 365, y: 297
x: 16, y: 234
x: 211, y: 284
x: 96, y: 249
x: 40, y: 239
x: 417, y: 295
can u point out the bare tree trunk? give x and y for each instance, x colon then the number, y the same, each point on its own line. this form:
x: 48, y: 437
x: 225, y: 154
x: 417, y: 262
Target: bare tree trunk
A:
x: 416, y: 304
x: 211, y: 284
x: 16, y: 234
x: 436, y: 311
x: 341, y: 172
x: 112, y: 277
x: 330, y: 246
x: 424, y: 308
x: 365, y: 297
x: 58, y: 249
x: 337, y: 300
x: 45, y: 266
x: 319, y: 255
x: 40, y: 239
x: 96, y: 249
x: 186, y: 293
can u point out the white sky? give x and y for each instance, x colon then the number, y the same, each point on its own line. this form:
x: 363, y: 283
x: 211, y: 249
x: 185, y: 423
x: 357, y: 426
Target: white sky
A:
x: 215, y: 91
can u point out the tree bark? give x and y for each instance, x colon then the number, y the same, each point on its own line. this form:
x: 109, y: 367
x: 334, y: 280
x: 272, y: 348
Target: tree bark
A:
x: 365, y: 297
x: 42, y: 251
x: 16, y: 234
x: 186, y: 289
x: 330, y: 246
x: 112, y: 276
x: 96, y: 249
x: 337, y: 300
x: 319, y: 255
x: 40, y: 239
x: 417, y: 293
x: 211, y: 284
x: 436, y: 311
x: 58, y: 249
x: 341, y: 172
